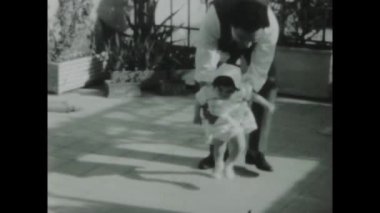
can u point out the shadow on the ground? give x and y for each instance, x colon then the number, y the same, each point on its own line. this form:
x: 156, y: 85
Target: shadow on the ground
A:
x: 89, y: 169
x: 91, y: 135
x: 86, y: 169
x: 90, y: 206
x: 313, y: 193
x: 294, y: 134
x: 244, y: 172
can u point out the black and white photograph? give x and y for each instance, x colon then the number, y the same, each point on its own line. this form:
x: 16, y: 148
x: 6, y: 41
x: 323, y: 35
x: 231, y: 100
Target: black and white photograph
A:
x: 190, y: 106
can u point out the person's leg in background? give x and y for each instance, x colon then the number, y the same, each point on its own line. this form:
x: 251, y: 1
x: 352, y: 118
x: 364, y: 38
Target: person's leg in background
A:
x: 254, y: 155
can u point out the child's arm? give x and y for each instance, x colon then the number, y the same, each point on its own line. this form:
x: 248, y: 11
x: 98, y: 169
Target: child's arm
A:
x: 201, y: 105
x: 263, y: 102
x: 208, y: 116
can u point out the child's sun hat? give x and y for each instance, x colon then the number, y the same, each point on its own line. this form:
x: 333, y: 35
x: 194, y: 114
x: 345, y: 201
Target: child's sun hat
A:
x: 231, y: 71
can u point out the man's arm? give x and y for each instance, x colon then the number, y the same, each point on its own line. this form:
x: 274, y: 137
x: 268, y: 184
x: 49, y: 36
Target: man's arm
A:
x: 263, y: 102
x: 263, y: 55
x: 207, y: 55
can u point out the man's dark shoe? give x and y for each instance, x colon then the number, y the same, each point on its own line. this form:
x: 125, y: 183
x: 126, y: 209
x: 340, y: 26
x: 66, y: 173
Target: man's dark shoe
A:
x: 206, y: 163
x: 258, y: 160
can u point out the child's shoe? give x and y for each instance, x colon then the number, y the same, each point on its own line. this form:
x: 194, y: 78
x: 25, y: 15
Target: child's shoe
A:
x: 229, y: 172
x: 218, y: 170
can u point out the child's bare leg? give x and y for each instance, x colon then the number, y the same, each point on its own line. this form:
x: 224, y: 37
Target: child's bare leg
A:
x: 236, y: 148
x: 219, y: 150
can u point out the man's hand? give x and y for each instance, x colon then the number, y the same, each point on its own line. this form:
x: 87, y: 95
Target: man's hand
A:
x: 210, y: 117
x: 271, y: 107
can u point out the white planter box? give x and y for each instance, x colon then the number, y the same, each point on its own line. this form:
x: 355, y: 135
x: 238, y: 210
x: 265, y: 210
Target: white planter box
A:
x: 303, y: 72
x: 73, y: 74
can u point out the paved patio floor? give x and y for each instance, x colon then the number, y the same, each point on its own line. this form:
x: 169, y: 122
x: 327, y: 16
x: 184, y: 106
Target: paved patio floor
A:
x: 140, y: 155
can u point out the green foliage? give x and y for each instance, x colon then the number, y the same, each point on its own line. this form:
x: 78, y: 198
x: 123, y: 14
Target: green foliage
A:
x: 71, y: 35
x: 147, y: 43
x: 300, y: 20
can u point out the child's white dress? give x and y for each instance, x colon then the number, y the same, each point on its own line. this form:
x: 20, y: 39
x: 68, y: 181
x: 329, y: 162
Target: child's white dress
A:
x: 234, y: 114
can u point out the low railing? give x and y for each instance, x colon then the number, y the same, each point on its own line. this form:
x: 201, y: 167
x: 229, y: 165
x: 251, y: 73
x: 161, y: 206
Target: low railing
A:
x: 303, y: 23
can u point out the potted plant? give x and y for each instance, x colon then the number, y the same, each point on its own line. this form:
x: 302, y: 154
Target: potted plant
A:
x: 133, y: 56
x: 300, y: 22
x: 169, y: 76
x: 70, y: 47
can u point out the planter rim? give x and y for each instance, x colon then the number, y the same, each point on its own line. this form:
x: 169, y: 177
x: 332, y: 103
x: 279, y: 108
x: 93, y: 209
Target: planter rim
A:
x: 147, y: 70
x: 68, y: 61
x: 304, y: 49
x: 110, y: 82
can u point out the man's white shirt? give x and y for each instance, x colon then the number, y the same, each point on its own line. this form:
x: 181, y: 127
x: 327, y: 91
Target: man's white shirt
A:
x: 207, y: 54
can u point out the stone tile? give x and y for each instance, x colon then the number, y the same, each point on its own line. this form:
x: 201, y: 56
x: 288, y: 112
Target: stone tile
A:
x: 307, y: 205
x: 54, y: 162
x: 320, y: 188
x: 87, y: 146
x: 141, y: 156
x: 66, y: 154
x: 75, y: 168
